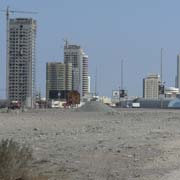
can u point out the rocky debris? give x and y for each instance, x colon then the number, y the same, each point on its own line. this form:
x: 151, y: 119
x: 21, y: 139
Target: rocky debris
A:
x: 93, y: 145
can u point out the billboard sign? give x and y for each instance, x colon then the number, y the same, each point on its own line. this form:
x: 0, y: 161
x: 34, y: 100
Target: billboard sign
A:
x: 115, y: 94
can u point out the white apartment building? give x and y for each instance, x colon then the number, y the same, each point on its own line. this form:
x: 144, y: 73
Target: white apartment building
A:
x: 74, y: 54
x: 151, y: 86
x: 89, y: 84
x: 85, y: 82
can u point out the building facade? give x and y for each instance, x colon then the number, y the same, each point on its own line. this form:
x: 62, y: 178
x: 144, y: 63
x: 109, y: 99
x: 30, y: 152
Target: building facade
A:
x: 171, y: 92
x: 89, y: 84
x: 151, y: 86
x: 74, y: 54
x: 20, y: 83
x: 58, y: 79
x: 68, y: 84
x: 85, y: 82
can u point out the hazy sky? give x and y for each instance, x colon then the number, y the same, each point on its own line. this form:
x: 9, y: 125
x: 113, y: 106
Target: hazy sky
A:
x: 108, y: 31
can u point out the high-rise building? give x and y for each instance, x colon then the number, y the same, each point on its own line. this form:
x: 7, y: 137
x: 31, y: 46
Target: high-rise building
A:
x: 58, y: 79
x: 21, y: 60
x: 68, y: 77
x: 178, y: 72
x: 151, y: 86
x: 74, y: 54
x: 89, y: 84
x: 85, y: 85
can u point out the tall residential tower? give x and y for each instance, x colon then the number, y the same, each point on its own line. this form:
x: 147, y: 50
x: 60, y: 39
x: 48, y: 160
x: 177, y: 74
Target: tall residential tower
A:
x: 21, y: 60
x: 85, y: 84
x: 74, y: 54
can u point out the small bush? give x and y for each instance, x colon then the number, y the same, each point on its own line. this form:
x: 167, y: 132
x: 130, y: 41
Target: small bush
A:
x: 14, y: 160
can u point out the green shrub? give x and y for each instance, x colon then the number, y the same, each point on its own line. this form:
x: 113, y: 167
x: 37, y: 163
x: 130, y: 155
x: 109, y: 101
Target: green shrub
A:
x: 14, y: 160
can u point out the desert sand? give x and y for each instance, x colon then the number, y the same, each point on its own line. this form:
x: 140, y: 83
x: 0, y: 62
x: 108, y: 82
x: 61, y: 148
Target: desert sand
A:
x: 142, y: 144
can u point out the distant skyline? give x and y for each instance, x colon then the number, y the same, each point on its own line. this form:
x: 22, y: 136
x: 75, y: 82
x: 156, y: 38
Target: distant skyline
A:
x: 108, y: 31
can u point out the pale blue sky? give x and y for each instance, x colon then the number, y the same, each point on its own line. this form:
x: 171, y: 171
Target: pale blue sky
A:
x: 108, y: 31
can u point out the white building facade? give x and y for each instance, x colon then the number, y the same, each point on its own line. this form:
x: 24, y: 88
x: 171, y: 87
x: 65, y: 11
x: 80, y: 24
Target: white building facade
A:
x: 171, y: 92
x: 74, y: 54
x: 85, y: 84
x: 89, y: 84
x: 151, y: 86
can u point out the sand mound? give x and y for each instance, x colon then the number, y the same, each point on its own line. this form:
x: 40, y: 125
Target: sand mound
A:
x: 95, y: 106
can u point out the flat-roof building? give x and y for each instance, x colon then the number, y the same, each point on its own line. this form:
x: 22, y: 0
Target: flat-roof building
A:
x: 20, y: 82
x: 58, y: 78
x: 75, y: 55
x: 151, y: 86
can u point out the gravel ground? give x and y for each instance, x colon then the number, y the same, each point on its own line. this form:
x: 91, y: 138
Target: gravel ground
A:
x: 131, y: 144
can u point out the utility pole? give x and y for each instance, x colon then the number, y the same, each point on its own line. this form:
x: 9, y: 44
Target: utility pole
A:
x: 161, y: 78
x: 95, y: 82
x: 122, y: 92
x: 161, y: 66
x: 161, y: 87
x: 122, y: 74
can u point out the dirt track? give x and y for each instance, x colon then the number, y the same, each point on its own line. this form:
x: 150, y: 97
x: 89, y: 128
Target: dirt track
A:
x: 134, y: 144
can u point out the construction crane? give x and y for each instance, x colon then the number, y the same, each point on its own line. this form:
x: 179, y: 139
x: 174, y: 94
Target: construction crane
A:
x: 8, y: 11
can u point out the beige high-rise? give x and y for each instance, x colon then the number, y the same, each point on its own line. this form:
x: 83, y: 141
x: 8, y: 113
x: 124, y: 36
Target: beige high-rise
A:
x: 58, y: 77
x: 68, y: 77
x: 151, y: 86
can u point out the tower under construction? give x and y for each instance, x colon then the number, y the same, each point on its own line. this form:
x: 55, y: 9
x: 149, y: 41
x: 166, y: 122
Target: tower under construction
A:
x: 21, y: 60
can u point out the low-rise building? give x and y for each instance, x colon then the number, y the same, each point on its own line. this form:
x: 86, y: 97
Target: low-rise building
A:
x: 171, y: 92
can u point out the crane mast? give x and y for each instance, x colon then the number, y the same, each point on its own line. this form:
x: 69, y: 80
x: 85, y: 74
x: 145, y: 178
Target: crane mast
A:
x: 7, y: 12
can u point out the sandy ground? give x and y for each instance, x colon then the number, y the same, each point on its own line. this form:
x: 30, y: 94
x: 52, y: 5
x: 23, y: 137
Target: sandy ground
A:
x: 133, y: 144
